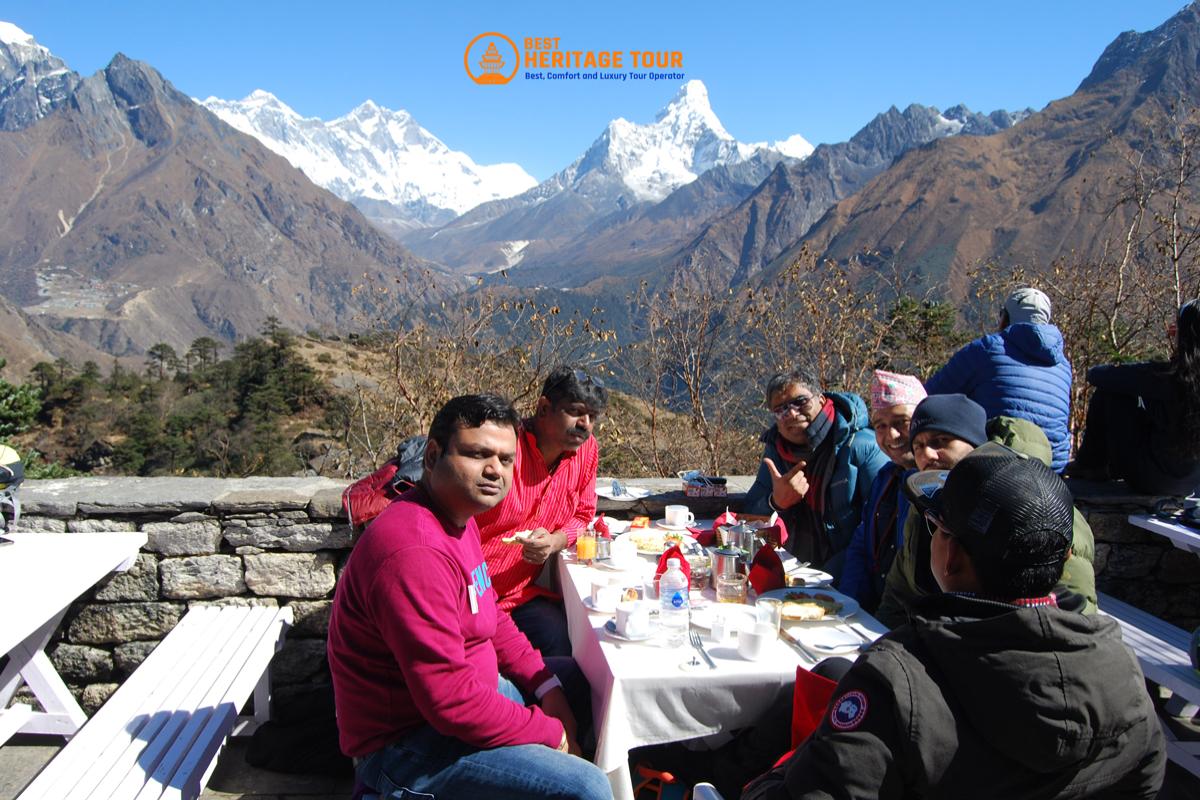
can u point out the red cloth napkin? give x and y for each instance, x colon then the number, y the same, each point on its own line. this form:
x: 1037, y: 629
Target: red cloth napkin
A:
x: 766, y: 573
x: 674, y: 552
x: 777, y: 531
x: 706, y: 538
x: 810, y: 701
x: 601, y: 527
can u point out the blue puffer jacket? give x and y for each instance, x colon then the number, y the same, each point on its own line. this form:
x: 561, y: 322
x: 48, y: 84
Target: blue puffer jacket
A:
x: 856, y: 461
x: 1019, y: 372
x: 865, y: 570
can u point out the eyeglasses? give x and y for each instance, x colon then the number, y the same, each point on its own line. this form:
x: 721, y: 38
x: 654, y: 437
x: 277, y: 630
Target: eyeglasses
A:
x: 798, y: 404
x: 936, y: 524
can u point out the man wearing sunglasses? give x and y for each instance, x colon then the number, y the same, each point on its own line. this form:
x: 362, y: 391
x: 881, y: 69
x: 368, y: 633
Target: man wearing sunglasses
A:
x: 945, y: 429
x: 553, y: 495
x: 990, y: 690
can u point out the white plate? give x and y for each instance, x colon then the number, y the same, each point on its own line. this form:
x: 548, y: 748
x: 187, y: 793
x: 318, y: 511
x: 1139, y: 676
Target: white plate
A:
x: 734, y: 612
x: 824, y: 639
x: 606, y: 563
x: 605, y: 489
x: 610, y: 629
x: 811, y: 577
x: 587, y: 602
x: 666, y: 526
x: 850, y: 606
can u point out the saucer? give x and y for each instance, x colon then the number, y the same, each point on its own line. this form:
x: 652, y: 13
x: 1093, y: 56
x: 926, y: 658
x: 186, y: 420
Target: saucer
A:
x: 610, y: 628
x: 587, y: 602
x: 666, y: 526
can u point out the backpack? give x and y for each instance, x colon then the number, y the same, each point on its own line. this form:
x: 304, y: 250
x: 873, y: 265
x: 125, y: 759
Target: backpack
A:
x: 367, y: 497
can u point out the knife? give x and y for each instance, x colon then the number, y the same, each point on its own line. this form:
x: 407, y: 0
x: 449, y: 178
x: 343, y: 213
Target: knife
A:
x: 794, y: 642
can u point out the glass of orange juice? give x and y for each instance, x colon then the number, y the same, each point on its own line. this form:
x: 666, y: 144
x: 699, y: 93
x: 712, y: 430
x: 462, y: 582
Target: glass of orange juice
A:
x: 585, y: 546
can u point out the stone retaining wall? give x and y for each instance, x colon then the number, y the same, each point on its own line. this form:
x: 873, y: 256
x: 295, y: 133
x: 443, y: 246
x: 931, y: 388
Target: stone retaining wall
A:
x: 283, y: 542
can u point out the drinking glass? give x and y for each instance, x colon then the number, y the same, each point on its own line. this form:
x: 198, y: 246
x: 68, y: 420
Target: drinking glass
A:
x: 769, y: 611
x: 585, y: 547
x: 731, y: 588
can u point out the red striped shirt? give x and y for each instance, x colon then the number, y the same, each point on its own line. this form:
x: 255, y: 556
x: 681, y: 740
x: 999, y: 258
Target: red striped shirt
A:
x: 562, y: 500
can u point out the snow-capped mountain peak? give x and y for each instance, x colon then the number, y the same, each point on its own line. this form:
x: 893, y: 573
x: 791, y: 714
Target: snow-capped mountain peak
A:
x: 34, y: 80
x: 375, y: 157
x: 685, y: 140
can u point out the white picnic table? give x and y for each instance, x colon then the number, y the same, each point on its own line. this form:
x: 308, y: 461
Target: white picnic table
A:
x: 642, y: 696
x: 1181, y: 536
x: 41, y: 574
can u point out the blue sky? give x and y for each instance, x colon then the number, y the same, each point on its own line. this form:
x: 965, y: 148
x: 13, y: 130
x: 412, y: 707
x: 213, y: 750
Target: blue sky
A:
x: 820, y: 69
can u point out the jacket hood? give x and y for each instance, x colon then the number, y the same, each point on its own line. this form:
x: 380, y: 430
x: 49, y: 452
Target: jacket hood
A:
x: 1035, y: 344
x: 1026, y: 437
x: 1026, y: 678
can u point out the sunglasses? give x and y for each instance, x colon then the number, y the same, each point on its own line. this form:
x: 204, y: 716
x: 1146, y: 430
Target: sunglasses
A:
x: 798, y: 404
x: 936, y: 523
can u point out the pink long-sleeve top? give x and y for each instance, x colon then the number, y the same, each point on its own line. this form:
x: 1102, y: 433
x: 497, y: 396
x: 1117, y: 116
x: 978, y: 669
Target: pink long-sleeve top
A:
x: 409, y: 645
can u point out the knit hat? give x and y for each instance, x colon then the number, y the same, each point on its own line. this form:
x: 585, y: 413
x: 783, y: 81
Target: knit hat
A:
x: 1028, y: 305
x: 955, y: 414
x: 893, y: 389
x: 993, y: 500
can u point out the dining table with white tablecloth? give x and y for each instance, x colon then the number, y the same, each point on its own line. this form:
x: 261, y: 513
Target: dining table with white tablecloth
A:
x: 646, y: 693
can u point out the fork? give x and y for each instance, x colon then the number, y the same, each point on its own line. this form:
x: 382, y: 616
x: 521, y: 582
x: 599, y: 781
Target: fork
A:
x: 694, y: 638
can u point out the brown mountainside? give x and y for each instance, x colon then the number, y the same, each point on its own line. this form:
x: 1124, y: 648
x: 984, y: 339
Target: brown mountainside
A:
x: 1044, y: 189
x: 131, y: 215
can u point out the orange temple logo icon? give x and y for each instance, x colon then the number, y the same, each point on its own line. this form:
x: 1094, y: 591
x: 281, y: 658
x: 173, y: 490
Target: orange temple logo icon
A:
x: 492, y: 59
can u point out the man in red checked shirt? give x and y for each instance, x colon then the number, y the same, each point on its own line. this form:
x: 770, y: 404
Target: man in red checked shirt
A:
x: 553, y: 495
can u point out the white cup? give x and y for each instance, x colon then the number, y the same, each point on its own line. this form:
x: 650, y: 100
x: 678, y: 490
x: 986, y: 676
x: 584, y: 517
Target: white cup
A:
x: 678, y: 516
x: 605, y: 595
x: 633, y: 619
x: 754, y: 638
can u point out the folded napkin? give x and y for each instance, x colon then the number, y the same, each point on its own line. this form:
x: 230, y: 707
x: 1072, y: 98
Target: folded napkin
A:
x: 674, y: 552
x: 766, y: 573
x: 707, y: 538
x: 775, y: 532
x: 810, y: 701
x: 601, y: 527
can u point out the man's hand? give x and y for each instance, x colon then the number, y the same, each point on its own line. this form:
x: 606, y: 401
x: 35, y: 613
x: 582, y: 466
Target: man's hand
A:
x: 541, y: 544
x: 554, y: 704
x: 789, y: 488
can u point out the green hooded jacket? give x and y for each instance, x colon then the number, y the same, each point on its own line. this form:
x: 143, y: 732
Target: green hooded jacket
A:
x: 910, y: 578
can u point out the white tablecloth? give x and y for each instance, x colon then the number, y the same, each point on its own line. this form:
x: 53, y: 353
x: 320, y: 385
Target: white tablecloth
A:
x: 641, y: 696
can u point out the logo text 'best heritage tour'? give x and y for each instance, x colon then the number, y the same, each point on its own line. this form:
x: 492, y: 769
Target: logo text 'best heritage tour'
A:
x: 493, y: 58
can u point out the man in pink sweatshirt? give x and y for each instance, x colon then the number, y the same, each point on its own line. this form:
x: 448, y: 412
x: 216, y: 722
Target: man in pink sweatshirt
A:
x: 423, y: 662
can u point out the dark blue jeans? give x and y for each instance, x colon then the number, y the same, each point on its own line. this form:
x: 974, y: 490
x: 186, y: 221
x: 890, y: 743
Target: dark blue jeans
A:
x: 544, y: 623
x: 427, y: 764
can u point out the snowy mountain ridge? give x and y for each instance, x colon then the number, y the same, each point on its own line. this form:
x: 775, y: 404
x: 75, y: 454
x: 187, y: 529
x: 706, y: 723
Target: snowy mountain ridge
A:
x: 374, y: 154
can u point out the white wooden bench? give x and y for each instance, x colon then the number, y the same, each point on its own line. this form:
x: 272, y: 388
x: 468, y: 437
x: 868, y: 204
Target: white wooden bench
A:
x: 1181, y: 536
x: 1162, y: 650
x: 159, y: 735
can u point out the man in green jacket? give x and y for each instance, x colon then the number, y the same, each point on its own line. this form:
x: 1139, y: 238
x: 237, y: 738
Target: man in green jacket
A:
x: 944, y: 429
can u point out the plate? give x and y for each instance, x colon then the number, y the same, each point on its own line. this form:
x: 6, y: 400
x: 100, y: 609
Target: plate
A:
x: 587, y: 602
x: 630, y: 494
x: 606, y: 563
x: 666, y: 526
x: 647, y: 539
x: 811, y: 577
x: 702, y: 617
x: 824, y: 639
x: 610, y: 628
x: 850, y: 606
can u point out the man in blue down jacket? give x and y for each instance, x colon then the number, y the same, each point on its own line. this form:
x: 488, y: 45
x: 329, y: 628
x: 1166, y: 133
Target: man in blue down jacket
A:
x: 1021, y: 371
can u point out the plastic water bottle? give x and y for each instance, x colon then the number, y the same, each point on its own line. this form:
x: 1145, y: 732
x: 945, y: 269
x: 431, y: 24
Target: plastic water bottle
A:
x: 673, y: 600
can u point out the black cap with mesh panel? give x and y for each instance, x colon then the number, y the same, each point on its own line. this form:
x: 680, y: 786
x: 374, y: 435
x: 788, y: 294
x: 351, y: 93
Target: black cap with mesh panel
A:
x: 994, y: 499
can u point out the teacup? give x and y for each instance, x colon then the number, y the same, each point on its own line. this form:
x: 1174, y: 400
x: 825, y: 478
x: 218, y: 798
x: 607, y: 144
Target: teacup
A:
x: 605, y: 595
x: 678, y: 516
x: 754, y: 638
x: 633, y: 619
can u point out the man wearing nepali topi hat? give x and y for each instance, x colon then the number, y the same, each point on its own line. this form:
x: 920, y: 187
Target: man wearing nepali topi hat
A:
x: 990, y: 690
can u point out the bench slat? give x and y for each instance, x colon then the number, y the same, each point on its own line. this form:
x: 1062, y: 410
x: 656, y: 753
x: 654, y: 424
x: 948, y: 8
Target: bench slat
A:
x: 175, y: 710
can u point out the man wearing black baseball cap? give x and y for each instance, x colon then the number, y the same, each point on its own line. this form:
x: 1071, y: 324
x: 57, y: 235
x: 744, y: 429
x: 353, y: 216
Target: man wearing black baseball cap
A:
x: 944, y: 429
x: 990, y: 690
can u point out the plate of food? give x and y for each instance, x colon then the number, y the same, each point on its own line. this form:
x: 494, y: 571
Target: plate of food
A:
x: 808, y: 576
x: 653, y: 541
x: 813, y: 605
